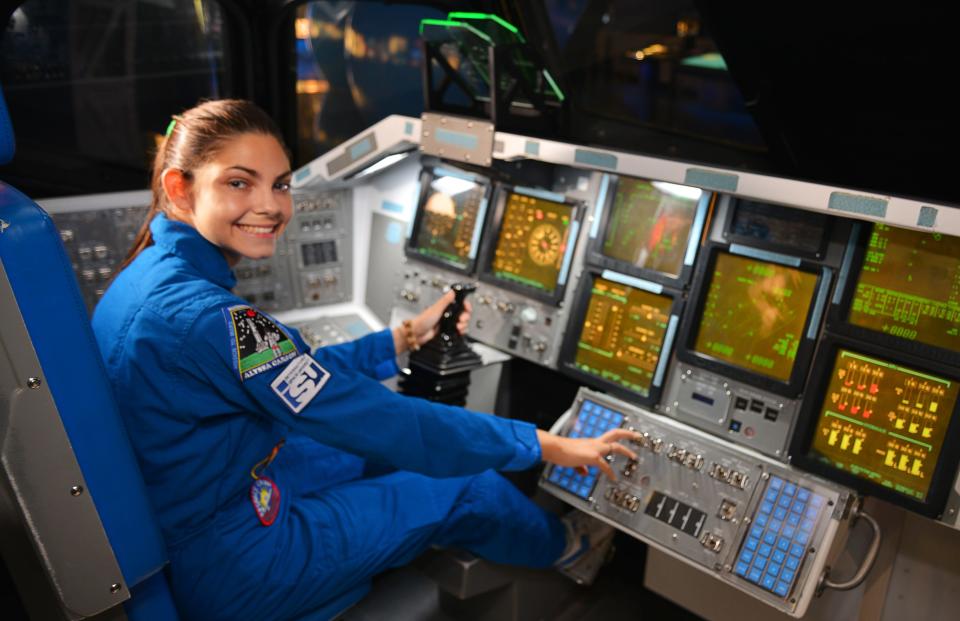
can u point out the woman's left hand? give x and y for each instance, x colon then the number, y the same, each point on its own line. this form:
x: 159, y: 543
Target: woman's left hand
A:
x: 427, y: 323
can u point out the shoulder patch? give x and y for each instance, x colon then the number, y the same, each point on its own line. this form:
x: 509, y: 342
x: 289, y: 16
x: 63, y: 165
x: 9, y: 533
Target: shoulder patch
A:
x: 300, y: 382
x: 259, y: 344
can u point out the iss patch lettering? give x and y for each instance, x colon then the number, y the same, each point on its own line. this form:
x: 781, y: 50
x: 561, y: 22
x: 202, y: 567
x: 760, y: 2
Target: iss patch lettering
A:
x: 258, y: 343
x: 300, y: 382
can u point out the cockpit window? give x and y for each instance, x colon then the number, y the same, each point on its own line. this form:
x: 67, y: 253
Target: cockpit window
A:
x: 357, y: 62
x: 90, y: 86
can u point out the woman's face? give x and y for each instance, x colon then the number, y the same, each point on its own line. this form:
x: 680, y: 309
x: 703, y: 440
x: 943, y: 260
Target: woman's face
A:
x: 240, y: 199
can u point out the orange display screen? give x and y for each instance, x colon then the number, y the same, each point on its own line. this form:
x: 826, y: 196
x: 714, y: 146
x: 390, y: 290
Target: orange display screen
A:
x: 450, y: 218
x: 909, y: 287
x: 649, y: 224
x: 533, y: 241
x: 884, y: 422
x: 754, y: 314
x: 622, y: 335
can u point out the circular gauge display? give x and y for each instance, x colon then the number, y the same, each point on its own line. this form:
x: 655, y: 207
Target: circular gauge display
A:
x: 544, y: 244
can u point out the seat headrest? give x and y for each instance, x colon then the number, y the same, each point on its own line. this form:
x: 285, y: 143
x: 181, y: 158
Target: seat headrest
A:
x: 7, y: 144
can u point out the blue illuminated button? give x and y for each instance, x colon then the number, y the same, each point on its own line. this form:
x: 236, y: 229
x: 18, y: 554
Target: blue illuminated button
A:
x: 787, y: 575
x: 784, y: 502
x: 793, y: 520
x: 806, y: 526
x: 778, y: 557
x: 773, y: 569
x: 776, y: 482
x: 774, y: 526
x: 768, y: 582
x: 756, y: 531
x: 588, y: 406
x: 765, y: 550
x: 789, y: 489
x: 771, y: 495
x: 746, y: 556
x: 761, y: 519
x: 770, y: 539
x: 759, y: 563
x: 742, y: 569
x: 792, y: 562
x: 782, y: 589
x: 783, y: 544
x: 796, y: 549
x: 585, y: 491
x: 802, y: 538
x: 781, y: 513
x: 797, y: 506
x: 766, y: 508
x: 788, y: 531
x: 555, y: 475
x: 754, y: 576
x: 803, y: 494
x: 812, y: 512
x: 816, y: 500
x: 752, y: 543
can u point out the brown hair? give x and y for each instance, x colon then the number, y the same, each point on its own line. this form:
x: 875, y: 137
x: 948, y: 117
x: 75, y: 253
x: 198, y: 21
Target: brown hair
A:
x: 193, y: 137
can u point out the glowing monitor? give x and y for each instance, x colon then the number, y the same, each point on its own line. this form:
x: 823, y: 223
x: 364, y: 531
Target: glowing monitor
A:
x: 650, y: 223
x: 534, y: 242
x: 909, y: 287
x: 449, y: 219
x: 755, y: 314
x: 884, y: 423
x: 622, y: 335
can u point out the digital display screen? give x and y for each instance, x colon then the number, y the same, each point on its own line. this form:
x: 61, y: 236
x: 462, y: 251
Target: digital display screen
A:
x: 779, y: 226
x: 909, y: 287
x: 449, y: 220
x: 754, y: 314
x: 533, y: 241
x: 622, y: 334
x: 884, y: 422
x: 649, y: 224
x: 319, y: 253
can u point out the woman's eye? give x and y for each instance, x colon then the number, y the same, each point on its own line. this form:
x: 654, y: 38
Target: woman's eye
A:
x: 281, y: 187
x: 238, y: 184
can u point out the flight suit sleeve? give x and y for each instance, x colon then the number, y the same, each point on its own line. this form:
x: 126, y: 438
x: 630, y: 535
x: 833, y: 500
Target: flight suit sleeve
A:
x: 373, y: 355
x: 313, y: 394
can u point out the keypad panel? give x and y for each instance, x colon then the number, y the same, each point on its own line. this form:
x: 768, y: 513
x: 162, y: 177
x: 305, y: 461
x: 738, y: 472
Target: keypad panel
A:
x: 776, y: 543
x: 593, y: 420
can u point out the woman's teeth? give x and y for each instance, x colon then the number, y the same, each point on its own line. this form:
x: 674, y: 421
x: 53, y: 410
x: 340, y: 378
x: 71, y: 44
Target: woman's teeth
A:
x: 257, y: 230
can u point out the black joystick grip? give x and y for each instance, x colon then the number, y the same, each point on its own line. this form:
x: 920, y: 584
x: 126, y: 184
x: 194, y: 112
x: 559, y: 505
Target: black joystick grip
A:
x: 451, y: 314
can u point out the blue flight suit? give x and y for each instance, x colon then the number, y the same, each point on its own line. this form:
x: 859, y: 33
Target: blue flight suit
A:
x: 206, y: 394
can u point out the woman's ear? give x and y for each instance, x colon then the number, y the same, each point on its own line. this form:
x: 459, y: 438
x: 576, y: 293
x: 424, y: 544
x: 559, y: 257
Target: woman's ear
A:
x: 176, y: 186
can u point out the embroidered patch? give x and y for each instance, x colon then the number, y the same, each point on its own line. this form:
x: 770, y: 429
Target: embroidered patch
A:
x: 300, y: 382
x: 265, y: 496
x: 259, y: 344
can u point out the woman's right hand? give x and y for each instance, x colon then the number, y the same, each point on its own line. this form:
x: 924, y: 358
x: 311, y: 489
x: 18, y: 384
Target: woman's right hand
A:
x: 581, y: 453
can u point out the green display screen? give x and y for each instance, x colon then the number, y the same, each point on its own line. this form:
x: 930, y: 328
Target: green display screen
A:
x: 909, y: 287
x: 754, y: 314
x: 622, y: 334
x: 884, y: 422
x: 449, y: 220
x: 649, y: 224
x: 533, y: 240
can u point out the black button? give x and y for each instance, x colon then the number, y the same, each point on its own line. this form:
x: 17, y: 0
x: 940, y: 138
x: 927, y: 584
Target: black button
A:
x: 740, y: 403
x: 771, y: 414
x: 756, y: 406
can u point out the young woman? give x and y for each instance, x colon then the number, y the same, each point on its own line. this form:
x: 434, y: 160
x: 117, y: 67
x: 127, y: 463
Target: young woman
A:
x: 253, y: 448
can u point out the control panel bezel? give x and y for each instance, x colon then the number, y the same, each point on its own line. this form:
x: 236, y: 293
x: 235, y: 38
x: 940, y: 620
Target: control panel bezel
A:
x: 427, y: 175
x: 945, y: 470
x: 568, y: 348
x: 491, y: 234
x: 595, y: 257
x: 824, y: 222
x: 839, y: 310
x: 689, y: 329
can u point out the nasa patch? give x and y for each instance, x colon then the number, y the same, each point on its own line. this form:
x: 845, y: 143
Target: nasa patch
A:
x: 265, y: 496
x: 300, y: 382
x: 258, y: 343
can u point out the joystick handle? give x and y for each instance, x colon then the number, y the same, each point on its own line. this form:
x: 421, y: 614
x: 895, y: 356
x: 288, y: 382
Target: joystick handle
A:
x: 448, y: 322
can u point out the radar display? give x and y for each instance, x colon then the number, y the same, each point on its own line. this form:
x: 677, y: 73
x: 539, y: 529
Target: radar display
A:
x: 754, y: 314
x: 909, y: 287
x: 622, y: 335
x: 649, y: 224
x: 884, y: 423
x: 533, y: 241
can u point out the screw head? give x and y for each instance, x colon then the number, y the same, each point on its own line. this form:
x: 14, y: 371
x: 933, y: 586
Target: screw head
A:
x: 115, y: 587
x: 76, y: 490
x: 33, y: 383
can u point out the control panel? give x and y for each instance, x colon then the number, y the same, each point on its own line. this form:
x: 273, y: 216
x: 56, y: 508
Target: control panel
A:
x: 752, y: 522
x: 332, y: 330
x: 725, y: 407
x: 97, y: 240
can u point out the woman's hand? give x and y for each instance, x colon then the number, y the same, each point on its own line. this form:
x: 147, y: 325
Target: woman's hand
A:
x: 426, y: 324
x: 581, y: 453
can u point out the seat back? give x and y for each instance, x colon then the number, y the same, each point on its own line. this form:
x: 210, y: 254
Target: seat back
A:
x: 77, y: 523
